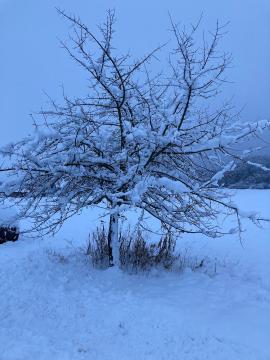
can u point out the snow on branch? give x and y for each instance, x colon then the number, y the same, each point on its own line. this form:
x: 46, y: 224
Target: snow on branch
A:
x: 259, y: 166
x: 135, y: 139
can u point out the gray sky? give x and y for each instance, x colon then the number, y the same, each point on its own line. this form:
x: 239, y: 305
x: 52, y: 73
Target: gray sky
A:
x: 32, y: 61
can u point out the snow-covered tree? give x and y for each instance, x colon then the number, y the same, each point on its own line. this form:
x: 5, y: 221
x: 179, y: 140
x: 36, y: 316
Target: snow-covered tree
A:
x: 137, y: 139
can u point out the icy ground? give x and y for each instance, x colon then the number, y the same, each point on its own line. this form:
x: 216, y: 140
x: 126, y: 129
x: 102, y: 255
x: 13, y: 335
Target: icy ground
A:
x: 54, y: 306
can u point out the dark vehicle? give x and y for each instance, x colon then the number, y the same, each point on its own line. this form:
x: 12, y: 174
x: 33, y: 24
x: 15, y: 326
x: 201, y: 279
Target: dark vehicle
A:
x: 9, y: 226
x: 8, y: 233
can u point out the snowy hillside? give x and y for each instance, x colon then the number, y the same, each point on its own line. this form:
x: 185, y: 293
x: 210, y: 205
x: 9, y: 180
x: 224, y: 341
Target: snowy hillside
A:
x: 55, y: 306
x: 249, y: 175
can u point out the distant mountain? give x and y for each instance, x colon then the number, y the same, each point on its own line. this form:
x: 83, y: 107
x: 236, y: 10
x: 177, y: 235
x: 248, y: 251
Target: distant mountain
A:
x: 248, y: 174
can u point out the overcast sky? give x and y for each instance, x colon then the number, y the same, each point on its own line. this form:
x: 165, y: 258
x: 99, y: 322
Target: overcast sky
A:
x: 32, y: 61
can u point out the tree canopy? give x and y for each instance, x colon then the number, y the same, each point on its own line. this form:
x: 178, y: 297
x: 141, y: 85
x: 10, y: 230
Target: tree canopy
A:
x: 136, y: 139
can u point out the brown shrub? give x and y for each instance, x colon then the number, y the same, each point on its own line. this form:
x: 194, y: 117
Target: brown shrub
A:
x: 136, y: 254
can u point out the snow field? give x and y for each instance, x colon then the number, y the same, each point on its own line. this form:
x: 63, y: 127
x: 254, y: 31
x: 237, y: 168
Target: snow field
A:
x: 55, y: 306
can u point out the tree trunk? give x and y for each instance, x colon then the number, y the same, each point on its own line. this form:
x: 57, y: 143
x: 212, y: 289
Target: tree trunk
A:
x: 113, y: 240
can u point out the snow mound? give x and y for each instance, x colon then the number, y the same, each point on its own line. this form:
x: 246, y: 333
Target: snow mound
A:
x: 8, y: 217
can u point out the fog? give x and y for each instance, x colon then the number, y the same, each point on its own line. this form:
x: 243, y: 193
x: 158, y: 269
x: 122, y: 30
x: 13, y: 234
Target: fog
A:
x: 32, y: 61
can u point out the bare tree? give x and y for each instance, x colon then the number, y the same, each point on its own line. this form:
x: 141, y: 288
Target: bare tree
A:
x: 154, y: 142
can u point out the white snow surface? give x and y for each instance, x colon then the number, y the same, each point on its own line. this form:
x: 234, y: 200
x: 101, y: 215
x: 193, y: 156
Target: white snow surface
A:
x: 53, y: 305
x: 8, y: 216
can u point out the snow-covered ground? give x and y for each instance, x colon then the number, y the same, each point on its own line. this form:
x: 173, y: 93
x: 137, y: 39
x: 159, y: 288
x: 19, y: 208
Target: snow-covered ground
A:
x: 53, y: 305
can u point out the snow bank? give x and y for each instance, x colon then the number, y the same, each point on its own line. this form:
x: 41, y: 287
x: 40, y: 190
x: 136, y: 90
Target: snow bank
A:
x: 8, y: 217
